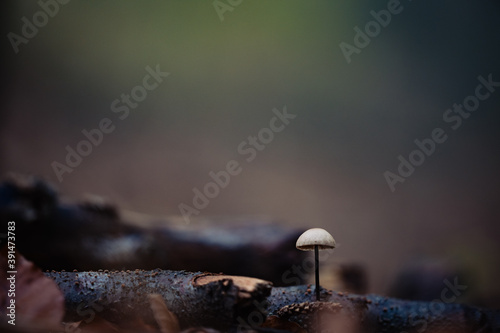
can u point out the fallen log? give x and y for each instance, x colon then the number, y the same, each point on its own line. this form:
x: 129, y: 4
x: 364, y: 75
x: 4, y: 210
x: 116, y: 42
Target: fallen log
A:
x: 344, y: 312
x: 94, y: 234
x: 243, y: 303
x: 197, y: 299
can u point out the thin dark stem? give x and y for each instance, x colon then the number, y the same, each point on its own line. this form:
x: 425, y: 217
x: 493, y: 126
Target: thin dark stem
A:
x: 316, y: 265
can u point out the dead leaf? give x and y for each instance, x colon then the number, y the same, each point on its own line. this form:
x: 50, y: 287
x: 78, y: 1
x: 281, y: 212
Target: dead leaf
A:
x: 200, y: 330
x: 38, y: 301
x: 167, y: 321
x: 283, y: 324
x: 72, y: 327
x: 99, y: 325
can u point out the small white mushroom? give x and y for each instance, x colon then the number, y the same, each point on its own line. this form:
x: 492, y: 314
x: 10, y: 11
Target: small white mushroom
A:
x: 315, y: 239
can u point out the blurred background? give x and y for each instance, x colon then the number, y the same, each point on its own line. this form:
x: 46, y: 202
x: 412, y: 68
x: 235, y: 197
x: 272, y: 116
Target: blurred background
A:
x: 230, y: 65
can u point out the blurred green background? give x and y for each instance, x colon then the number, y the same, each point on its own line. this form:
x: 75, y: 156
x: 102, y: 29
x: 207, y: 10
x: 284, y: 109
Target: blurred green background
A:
x: 325, y: 169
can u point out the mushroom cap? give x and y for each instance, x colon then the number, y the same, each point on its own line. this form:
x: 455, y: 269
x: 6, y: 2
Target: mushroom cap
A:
x: 315, y: 236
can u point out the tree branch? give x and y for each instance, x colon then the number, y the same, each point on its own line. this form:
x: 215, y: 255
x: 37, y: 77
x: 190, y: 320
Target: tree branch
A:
x: 197, y: 299
x: 373, y: 313
x: 224, y: 302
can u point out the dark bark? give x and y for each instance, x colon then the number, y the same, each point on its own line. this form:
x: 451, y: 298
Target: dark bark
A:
x: 226, y: 302
x: 94, y: 235
x: 197, y: 299
x: 372, y: 313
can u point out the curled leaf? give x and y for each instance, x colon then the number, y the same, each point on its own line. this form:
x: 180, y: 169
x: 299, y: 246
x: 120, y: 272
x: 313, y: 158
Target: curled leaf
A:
x: 167, y: 321
x: 28, y: 298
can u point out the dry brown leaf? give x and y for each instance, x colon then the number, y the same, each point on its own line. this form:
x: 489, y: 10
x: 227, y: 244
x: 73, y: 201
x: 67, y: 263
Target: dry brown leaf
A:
x: 72, y: 327
x: 137, y: 324
x: 283, y: 324
x: 99, y: 325
x: 167, y: 321
x: 38, y: 301
x: 200, y: 330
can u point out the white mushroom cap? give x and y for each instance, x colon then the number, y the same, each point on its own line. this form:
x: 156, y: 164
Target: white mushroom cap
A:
x: 315, y: 236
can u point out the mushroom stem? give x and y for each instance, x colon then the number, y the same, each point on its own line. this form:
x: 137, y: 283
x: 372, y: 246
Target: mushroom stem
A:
x: 315, y: 239
x: 316, y: 265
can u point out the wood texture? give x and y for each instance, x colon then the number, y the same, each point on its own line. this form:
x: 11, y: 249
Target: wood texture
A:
x: 373, y: 313
x: 234, y: 302
x: 197, y: 299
